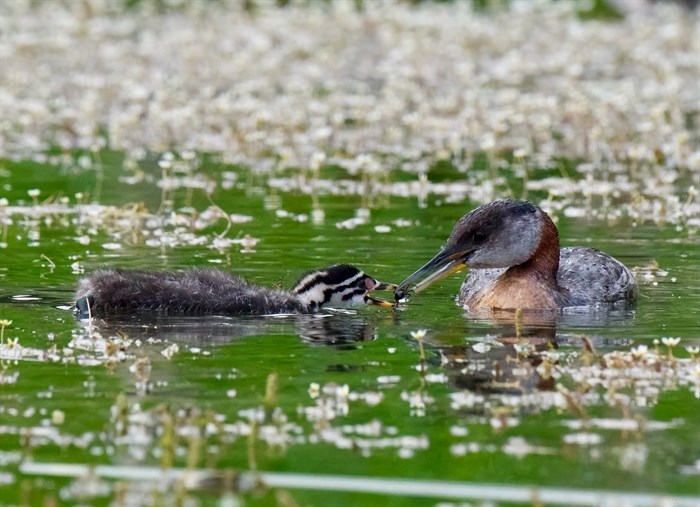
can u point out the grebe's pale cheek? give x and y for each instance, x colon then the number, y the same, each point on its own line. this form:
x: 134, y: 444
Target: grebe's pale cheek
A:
x: 514, y: 243
x: 486, y: 258
x: 519, y: 250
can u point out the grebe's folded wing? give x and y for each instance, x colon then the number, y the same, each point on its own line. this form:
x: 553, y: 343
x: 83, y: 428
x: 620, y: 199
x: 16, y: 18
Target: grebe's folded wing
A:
x: 591, y: 276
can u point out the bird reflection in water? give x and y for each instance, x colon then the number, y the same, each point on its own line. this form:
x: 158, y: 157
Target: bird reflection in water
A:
x: 516, y: 356
x: 341, y: 329
x: 334, y: 329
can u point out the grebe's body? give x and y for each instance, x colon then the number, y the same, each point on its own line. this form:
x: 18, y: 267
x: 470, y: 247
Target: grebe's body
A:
x: 580, y: 269
x: 214, y: 292
x: 512, y: 249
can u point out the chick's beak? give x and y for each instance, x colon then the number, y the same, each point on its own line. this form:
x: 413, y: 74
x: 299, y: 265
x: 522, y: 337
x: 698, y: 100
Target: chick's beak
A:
x: 385, y: 286
x: 380, y: 302
x: 443, y: 264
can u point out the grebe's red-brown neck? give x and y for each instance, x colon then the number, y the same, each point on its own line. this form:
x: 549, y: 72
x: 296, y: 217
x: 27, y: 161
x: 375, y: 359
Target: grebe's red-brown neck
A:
x: 544, y: 262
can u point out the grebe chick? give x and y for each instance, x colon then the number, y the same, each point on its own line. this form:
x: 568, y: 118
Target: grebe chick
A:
x: 201, y: 291
x: 512, y: 250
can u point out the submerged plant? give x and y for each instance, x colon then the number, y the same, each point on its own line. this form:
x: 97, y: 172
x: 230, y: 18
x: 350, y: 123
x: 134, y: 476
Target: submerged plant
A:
x: 3, y: 324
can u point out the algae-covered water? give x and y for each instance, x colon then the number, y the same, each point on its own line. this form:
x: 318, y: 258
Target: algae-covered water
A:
x: 599, y: 403
x: 268, y: 140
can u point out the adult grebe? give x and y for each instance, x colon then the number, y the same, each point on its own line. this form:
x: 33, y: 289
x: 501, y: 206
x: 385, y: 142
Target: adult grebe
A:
x: 512, y: 248
x: 211, y: 291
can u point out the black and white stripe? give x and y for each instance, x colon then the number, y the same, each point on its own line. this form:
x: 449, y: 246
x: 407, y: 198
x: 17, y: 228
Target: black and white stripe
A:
x: 341, y: 285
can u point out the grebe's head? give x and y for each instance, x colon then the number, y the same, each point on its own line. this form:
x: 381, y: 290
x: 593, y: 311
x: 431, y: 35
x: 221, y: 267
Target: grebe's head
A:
x: 496, y: 235
x: 339, y: 286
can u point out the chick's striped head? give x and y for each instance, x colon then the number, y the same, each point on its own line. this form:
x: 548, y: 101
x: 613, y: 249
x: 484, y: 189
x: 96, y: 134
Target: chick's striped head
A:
x: 338, y: 286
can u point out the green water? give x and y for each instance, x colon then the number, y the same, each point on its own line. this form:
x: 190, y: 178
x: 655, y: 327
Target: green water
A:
x: 444, y: 417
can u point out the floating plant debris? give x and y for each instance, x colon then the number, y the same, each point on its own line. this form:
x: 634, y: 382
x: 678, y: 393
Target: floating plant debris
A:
x: 618, y: 99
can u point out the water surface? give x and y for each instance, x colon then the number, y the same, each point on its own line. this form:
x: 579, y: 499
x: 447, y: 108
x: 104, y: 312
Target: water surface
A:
x: 344, y: 393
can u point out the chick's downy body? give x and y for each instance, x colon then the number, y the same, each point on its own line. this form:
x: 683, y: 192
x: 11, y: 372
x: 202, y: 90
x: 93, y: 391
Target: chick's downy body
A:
x: 201, y: 291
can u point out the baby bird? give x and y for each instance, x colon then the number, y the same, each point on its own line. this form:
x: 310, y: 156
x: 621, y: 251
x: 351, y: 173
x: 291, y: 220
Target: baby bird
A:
x: 201, y: 291
x: 512, y: 250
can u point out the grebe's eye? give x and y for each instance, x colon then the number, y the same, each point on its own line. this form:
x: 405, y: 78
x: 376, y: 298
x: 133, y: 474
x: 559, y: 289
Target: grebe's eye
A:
x: 479, y: 237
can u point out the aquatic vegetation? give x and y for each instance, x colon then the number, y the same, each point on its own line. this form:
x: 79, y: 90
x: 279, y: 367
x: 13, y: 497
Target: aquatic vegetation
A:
x: 356, y: 419
x: 389, y: 87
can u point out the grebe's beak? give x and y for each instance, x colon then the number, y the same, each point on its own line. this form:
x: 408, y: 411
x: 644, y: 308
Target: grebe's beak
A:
x: 443, y: 264
x: 381, y: 302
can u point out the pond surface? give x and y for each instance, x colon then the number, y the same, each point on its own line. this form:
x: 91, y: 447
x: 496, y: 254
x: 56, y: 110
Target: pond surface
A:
x: 529, y: 409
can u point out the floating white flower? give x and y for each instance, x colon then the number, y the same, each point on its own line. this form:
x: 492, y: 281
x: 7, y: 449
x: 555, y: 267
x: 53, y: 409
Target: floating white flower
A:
x: 419, y: 334
x: 670, y: 342
x: 639, y: 351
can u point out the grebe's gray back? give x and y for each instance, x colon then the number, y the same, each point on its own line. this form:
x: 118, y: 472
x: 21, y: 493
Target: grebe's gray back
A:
x: 213, y: 292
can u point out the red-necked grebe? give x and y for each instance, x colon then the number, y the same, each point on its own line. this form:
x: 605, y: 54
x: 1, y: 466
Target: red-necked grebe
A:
x: 512, y: 250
